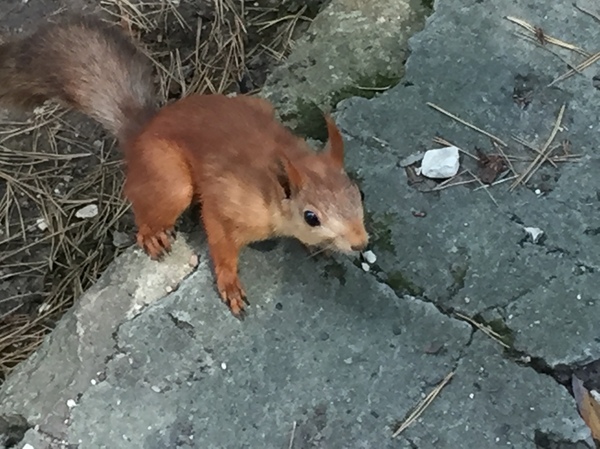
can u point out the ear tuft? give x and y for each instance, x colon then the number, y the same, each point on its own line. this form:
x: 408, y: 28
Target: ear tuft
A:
x: 335, y: 143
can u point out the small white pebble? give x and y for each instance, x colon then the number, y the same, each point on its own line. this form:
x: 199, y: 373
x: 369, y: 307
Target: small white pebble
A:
x: 534, y: 233
x: 71, y: 403
x: 193, y: 260
x: 223, y: 365
x: 155, y: 388
x: 43, y: 307
x: 370, y: 257
x: 467, y: 300
x: 169, y: 289
x: 538, y: 192
x: 348, y: 361
x: 89, y: 211
x: 471, y: 396
x: 93, y: 382
x: 365, y: 266
x: 579, y: 296
x: 510, y: 317
x: 28, y: 446
x: 41, y: 224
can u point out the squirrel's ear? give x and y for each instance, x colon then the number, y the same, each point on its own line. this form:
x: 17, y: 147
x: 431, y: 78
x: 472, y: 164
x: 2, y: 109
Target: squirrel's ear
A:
x: 289, y: 177
x: 334, y: 149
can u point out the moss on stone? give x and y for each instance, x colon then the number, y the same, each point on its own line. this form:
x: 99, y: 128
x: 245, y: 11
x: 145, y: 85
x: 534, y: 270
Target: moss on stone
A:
x: 307, y: 118
x: 401, y: 284
x: 380, y: 230
x: 366, y: 87
x: 428, y: 4
x: 505, y: 333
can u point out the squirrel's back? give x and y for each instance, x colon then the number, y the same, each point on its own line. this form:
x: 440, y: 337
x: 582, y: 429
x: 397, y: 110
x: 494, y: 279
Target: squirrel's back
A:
x: 84, y: 63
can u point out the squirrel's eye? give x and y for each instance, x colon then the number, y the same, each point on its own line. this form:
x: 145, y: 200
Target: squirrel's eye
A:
x: 311, y: 218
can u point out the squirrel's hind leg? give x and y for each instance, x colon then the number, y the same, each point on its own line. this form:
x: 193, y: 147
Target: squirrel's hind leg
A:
x: 160, y: 189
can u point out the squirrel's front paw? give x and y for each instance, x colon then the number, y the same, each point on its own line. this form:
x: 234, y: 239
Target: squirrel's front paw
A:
x: 233, y: 294
x: 156, y: 245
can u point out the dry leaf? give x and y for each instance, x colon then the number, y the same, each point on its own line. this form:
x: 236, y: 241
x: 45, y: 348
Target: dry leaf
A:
x: 489, y: 166
x: 588, y: 407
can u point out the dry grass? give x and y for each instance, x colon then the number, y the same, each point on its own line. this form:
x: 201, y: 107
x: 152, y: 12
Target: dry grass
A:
x: 48, y: 170
x: 43, y: 243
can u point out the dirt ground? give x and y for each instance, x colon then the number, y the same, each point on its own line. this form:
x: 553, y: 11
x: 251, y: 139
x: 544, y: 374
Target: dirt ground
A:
x: 54, y: 162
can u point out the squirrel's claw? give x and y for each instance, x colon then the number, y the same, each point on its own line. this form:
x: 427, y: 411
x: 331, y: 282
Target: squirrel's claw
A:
x: 233, y: 294
x: 156, y: 245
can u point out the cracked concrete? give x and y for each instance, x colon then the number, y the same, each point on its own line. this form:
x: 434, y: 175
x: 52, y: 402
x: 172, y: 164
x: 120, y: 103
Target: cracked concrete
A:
x: 331, y: 356
x: 544, y: 288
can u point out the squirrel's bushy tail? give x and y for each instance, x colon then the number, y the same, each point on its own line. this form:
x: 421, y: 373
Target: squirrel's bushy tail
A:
x: 84, y: 63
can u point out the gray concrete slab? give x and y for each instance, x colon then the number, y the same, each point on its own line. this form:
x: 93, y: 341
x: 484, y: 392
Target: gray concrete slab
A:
x: 344, y: 354
x: 329, y: 358
x: 469, y: 254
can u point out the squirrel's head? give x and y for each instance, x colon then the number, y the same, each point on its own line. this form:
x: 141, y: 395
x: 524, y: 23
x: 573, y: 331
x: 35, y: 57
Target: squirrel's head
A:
x: 324, y: 205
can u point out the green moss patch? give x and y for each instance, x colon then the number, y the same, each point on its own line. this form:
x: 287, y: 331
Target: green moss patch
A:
x: 401, y: 284
x: 308, y: 115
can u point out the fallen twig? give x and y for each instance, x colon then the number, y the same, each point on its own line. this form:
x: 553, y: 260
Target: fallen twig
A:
x: 483, y: 328
x: 543, y: 155
x: 549, y: 39
x: 422, y: 406
x: 458, y: 119
x: 578, y: 69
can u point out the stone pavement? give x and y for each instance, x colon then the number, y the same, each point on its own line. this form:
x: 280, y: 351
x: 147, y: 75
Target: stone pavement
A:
x: 335, y: 357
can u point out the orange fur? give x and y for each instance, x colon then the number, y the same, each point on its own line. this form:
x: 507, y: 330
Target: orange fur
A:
x: 254, y: 178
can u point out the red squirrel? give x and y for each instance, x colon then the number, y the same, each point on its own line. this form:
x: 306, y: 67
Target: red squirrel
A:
x: 253, y: 178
